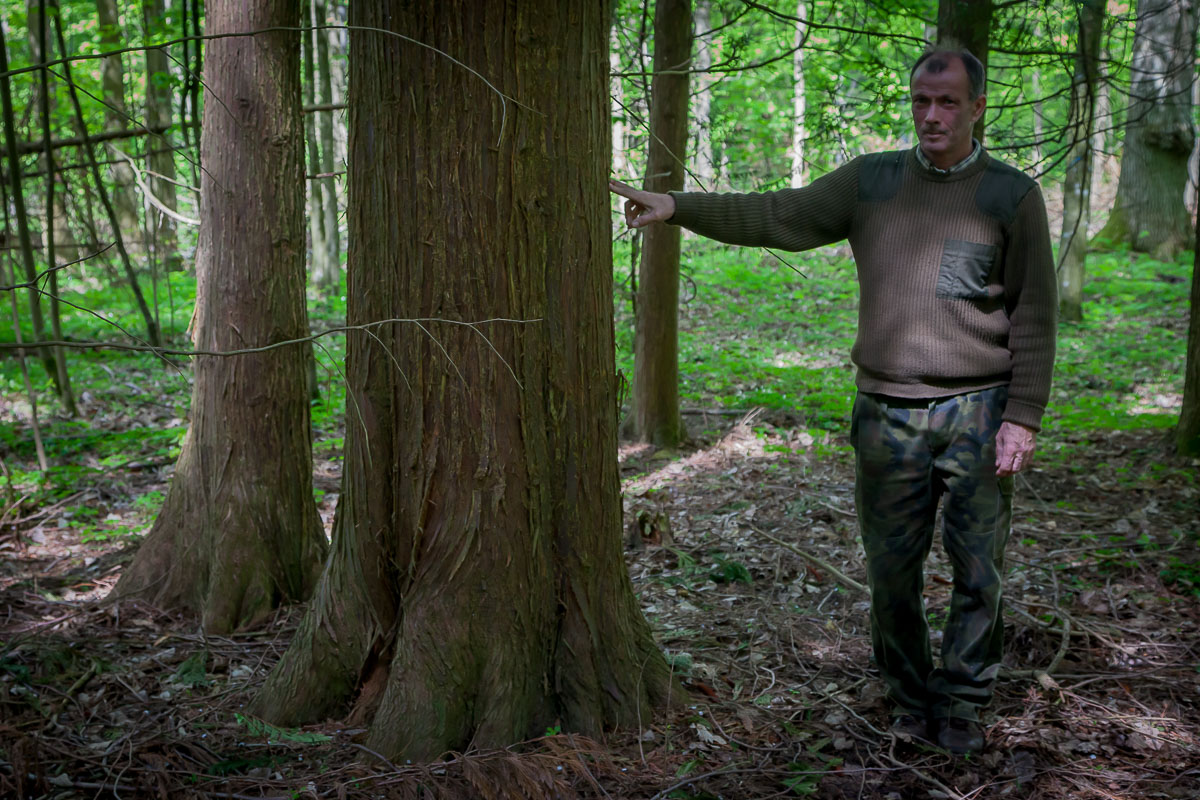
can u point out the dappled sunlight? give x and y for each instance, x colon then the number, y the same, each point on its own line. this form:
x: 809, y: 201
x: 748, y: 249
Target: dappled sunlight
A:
x: 1154, y: 398
x: 819, y: 360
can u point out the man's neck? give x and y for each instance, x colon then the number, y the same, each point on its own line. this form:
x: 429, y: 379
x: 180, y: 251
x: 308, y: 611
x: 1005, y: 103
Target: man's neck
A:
x: 961, y: 164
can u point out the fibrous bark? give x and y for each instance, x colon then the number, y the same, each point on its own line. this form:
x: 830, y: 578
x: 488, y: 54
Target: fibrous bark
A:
x: 239, y: 532
x: 1149, y: 213
x: 655, y: 414
x: 476, y: 592
x: 1077, y: 184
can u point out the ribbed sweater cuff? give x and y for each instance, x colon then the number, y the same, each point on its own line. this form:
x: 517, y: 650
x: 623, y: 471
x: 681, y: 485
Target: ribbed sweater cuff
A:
x: 1023, y: 413
x: 685, y: 209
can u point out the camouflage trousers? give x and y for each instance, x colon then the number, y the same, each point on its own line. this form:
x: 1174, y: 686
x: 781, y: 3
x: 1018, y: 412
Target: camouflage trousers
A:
x: 909, y: 454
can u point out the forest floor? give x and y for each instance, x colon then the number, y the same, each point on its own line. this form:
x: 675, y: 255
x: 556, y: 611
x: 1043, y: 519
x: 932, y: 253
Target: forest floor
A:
x: 735, y: 548
x: 742, y: 548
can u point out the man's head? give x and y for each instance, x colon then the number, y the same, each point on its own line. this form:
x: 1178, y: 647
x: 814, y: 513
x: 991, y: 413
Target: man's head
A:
x: 947, y: 98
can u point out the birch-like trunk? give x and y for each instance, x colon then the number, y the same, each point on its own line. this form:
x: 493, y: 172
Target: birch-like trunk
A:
x: 1077, y: 185
x: 1150, y: 214
x: 116, y: 117
x: 161, y: 161
x: 701, y: 177
x: 799, y: 172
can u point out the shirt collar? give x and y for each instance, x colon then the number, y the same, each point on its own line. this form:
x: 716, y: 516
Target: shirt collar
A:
x: 976, y: 149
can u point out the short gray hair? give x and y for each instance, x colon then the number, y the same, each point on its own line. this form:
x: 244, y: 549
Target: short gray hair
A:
x: 935, y: 60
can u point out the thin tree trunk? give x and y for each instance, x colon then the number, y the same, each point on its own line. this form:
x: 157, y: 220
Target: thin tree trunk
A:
x: 1039, y: 127
x: 1077, y: 195
x: 239, y: 533
x: 799, y: 172
x: 151, y: 326
x: 325, y: 119
x: 476, y: 593
x: 38, y: 445
x: 112, y: 75
x: 161, y: 164
x: 620, y: 162
x: 24, y: 240
x: 1187, y: 434
x: 655, y: 416
x: 1149, y: 213
x: 338, y: 46
x: 967, y: 23
x: 319, y: 267
x: 700, y: 178
x: 63, y: 382
x: 1102, y: 135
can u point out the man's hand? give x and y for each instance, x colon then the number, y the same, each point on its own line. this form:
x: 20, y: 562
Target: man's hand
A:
x: 642, y: 208
x: 1014, y: 448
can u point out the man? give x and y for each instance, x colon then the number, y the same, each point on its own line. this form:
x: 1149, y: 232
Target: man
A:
x: 954, y: 353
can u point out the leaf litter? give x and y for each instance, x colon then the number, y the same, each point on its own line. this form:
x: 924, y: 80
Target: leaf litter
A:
x: 778, y: 697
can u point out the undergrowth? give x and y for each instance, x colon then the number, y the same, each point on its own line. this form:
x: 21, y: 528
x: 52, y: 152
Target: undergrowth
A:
x: 753, y: 332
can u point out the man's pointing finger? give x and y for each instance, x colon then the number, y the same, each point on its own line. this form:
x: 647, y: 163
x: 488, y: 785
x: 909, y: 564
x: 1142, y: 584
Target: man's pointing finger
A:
x: 623, y: 189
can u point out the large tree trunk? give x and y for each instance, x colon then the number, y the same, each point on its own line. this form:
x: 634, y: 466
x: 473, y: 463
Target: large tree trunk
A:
x: 1077, y: 195
x: 239, y: 532
x: 161, y: 162
x: 477, y: 592
x: 1187, y: 434
x: 655, y: 415
x: 1149, y: 213
x: 967, y: 23
x: 116, y: 117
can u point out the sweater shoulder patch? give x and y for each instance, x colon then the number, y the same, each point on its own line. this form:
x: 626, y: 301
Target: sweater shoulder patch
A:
x: 879, y: 176
x: 1001, y: 190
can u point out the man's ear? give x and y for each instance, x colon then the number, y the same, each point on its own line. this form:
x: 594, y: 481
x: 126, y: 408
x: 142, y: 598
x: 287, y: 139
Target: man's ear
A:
x: 980, y: 104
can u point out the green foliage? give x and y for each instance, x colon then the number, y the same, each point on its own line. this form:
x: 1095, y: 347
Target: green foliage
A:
x: 1182, y: 575
x: 754, y: 333
x: 191, y: 672
x: 258, y: 729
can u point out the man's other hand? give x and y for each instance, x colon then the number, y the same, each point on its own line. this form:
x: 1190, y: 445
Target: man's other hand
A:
x: 642, y: 208
x: 1014, y: 448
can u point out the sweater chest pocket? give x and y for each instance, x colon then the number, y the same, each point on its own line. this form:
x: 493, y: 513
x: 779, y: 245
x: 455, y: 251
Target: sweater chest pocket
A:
x: 965, y: 269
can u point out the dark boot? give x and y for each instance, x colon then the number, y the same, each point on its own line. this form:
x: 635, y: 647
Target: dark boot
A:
x: 960, y: 736
x: 911, y: 728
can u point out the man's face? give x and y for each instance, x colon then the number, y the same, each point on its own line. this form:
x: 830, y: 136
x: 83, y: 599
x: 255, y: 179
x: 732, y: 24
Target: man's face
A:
x: 942, y: 113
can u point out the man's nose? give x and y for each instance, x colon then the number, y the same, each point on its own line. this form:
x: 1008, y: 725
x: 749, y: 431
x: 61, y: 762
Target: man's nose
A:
x: 932, y: 113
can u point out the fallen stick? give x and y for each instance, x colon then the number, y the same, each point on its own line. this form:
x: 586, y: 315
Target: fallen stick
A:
x: 842, y: 577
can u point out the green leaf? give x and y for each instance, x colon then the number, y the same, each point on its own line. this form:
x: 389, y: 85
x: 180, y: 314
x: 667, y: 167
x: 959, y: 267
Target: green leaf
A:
x: 191, y: 672
x: 257, y: 728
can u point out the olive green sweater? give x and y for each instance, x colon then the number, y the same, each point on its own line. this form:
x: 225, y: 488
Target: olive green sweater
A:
x: 956, y: 276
